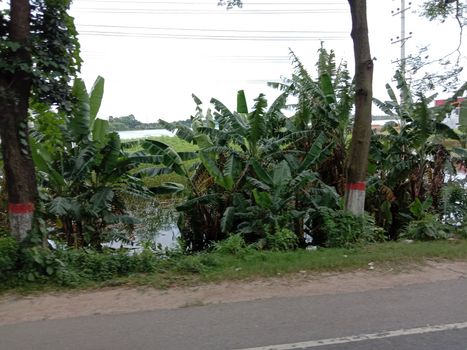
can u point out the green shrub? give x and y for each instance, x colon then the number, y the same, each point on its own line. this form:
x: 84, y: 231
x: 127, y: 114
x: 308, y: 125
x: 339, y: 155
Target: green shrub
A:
x: 147, y: 261
x: 232, y: 245
x: 198, y: 263
x: 191, y: 264
x: 343, y: 229
x: 426, y: 228
x: 69, y: 267
x: 101, y: 266
x: 39, y: 264
x: 462, y: 231
x: 283, y: 239
x: 9, y: 251
x: 454, y: 208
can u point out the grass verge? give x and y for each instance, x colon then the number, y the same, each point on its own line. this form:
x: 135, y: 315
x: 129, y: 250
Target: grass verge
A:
x: 250, y: 264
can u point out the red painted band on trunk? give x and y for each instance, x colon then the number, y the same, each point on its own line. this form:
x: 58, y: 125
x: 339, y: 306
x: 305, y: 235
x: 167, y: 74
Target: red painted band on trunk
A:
x: 20, y: 208
x: 358, y: 186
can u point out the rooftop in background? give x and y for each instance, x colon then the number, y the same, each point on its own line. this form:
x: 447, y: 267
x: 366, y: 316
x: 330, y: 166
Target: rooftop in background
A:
x: 457, y: 103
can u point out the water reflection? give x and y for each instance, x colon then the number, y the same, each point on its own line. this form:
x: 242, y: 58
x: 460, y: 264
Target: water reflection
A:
x: 156, y: 227
x: 168, y: 238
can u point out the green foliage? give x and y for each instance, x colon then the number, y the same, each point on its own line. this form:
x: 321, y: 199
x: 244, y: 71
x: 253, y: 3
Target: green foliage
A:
x: 346, y: 230
x: 234, y: 245
x: 408, y: 162
x: 454, y: 209
x: 197, y: 264
x: 441, y: 10
x: 39, y: 264
x: 258, y: 168
x: 419, y: 209
x: 104, y: 266
x: 84, y: 181
x: 324, y: 107
x: 281, y: 240
x: 71, y: 268
x: 176, y: 269
x: 426, y: 228
x: 9, y: 252
x: 54, y: 49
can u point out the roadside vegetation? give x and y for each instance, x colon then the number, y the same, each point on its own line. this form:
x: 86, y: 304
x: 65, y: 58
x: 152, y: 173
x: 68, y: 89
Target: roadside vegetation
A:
x: 231, y: 260
x: 255, y: 191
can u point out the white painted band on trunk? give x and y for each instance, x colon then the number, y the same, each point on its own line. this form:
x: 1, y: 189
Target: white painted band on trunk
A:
x: 363, y: 337
x: 20, y: 224
x: 355, y: 201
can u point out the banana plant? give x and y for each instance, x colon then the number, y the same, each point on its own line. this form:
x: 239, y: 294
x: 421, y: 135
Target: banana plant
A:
x: 238, y: 148
x: 285, y: 193
x: 168, y: 160
x: 244, y: 152
x: 408, y: 162
x: 227, y: 141
x: 324, y: 106
x: 84, y: 183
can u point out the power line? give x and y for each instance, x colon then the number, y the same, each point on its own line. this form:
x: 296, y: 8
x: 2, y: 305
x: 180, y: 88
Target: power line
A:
x: 213, y: 29
x: 211, y: 3
x: 207, y: 12
x: 230, y: 58
x: 280, y: 61
x: 210, y: 37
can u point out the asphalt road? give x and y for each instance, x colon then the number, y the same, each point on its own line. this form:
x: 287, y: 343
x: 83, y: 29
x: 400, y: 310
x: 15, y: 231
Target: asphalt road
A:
x: 398, y: 318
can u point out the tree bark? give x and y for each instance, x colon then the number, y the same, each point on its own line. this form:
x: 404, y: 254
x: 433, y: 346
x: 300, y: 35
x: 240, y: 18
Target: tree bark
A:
x: 361, y: 134
x: 15, y: 90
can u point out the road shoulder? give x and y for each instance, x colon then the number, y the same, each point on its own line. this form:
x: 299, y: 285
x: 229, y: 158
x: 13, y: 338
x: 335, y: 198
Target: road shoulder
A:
x: 16, y: 309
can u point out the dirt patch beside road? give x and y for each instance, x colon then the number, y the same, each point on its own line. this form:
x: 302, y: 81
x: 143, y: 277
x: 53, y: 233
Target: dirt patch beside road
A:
x: 15, y: 309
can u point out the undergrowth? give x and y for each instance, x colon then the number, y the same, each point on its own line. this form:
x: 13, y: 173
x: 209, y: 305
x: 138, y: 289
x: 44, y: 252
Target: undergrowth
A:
x: 39, y: 269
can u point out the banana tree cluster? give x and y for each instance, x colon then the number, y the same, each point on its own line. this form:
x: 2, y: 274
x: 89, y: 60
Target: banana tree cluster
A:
x: 83, y: 171
x: 255, y: 172
x: 259, y: 170
x: 409, y: 159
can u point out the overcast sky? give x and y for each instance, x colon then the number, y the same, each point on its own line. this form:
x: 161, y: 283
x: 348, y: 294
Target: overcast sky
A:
x: 154, y: 54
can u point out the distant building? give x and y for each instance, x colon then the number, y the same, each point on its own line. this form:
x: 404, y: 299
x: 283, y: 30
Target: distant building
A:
x: 453, y: 119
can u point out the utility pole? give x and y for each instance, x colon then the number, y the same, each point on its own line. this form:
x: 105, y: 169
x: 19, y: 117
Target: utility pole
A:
x: 402, y: 39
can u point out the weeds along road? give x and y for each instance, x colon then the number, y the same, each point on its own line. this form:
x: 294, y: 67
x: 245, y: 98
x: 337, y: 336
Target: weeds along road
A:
x: 429, y: 315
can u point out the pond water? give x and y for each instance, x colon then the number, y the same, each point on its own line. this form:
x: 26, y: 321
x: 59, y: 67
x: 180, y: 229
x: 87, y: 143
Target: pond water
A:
x: 157, y: 227
x: 165, y: 238
x: 141, y: 134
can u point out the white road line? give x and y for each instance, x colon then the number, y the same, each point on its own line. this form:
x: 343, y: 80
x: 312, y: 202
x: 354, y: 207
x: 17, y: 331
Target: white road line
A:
x: 362, y: 337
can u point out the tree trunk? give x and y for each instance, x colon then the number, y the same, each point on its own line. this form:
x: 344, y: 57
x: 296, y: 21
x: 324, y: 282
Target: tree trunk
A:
x: 14, y: 102
x: 361, y: 134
